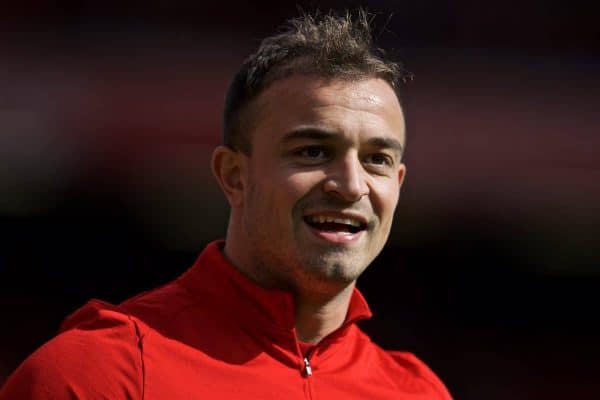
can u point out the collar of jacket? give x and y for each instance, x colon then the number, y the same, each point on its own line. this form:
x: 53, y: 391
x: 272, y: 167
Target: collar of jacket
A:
x: 259, y: 307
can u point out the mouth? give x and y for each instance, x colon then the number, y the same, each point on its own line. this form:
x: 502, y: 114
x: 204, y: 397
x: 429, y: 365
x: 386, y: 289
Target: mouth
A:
x: 338, y: 224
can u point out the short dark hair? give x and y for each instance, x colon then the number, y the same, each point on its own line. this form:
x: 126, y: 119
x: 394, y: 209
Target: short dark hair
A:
x: 326, y: 45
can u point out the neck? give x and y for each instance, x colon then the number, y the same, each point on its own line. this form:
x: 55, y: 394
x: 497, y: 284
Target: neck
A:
x: 318, y: 316
x: 319, y: 311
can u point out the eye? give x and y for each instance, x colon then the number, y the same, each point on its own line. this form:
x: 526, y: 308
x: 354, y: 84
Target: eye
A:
x: 312, y: 153
x: 379, y: 159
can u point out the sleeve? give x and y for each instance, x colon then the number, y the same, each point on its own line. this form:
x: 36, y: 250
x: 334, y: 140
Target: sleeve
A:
x: 100, y: 360
x: 412, y: 363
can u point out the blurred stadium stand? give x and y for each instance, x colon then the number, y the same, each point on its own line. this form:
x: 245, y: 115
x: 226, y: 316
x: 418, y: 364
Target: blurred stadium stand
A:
x: 109, y: 112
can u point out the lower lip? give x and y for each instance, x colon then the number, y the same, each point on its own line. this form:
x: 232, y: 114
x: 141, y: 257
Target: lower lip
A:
x: 336, y: 237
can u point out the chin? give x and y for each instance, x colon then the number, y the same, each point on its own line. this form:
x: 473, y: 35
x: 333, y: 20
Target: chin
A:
x: 333, y: 269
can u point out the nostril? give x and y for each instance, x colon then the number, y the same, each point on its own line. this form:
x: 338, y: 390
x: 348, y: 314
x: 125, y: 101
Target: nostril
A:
x: 348, y: 191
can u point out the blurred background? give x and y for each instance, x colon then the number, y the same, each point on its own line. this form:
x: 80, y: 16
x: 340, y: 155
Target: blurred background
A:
x: 109, y: 112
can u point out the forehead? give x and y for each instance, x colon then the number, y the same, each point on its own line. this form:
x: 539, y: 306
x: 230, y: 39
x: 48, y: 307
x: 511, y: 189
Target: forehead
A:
x: 367, y: 105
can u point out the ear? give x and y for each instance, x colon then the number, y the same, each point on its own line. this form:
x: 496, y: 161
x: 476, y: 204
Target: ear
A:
x: 228, y: 166
x: 401, y: 175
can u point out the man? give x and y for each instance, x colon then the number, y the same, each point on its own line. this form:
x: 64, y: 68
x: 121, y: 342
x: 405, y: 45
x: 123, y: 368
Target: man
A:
x: 311, y: 167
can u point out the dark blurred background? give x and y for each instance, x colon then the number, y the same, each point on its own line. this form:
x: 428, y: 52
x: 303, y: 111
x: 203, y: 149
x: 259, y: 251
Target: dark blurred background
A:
x: 109, y: 113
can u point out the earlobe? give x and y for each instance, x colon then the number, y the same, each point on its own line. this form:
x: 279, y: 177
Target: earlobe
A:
x: 227, y: 167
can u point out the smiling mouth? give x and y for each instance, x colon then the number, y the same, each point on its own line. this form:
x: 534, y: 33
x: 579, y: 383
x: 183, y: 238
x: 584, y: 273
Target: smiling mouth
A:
x: 335, y: 224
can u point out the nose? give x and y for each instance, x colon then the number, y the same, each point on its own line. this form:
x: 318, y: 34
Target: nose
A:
x: 347, y: 180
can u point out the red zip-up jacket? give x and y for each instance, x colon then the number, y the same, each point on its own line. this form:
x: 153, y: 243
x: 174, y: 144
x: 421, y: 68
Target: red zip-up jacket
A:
x: 214, y: 334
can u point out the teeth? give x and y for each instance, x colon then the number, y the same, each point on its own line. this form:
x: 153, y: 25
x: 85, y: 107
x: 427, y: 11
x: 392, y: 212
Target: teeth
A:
x: 351, y: 222
x: 346, y: 221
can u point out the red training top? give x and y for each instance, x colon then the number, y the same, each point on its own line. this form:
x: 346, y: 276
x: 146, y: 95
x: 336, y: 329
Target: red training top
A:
x: 214, y: 334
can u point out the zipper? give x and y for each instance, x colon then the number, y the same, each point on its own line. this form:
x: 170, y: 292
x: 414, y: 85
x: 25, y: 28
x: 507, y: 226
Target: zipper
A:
x: 307, y: 372
x: 307, y: 367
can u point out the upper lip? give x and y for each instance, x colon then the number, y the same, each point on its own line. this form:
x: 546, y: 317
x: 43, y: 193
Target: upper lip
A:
x: 361, y: 219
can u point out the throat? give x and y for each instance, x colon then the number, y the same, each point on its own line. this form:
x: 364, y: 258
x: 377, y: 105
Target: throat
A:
x: 317, y: 319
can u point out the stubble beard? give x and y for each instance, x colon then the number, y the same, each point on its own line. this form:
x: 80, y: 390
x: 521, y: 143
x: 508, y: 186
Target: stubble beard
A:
x: 287, y: 262
x: 290, y: 263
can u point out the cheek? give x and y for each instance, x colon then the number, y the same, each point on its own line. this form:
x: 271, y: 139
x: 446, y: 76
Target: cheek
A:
x: 385, y: 198
x: 275, y: 197
x: 298, y: 184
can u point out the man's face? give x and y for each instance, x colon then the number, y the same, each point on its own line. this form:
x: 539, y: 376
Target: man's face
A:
x: 323, y: 179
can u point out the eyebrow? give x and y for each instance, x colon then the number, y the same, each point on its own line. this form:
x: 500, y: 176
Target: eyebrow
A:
x: 386, y: 143
x: 308, y: 133
x: 323, y: 134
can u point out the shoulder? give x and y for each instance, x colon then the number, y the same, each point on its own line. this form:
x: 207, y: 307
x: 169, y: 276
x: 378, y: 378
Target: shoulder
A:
x: 97, y: 355
x: 418, y: 368
x: 406, y: 371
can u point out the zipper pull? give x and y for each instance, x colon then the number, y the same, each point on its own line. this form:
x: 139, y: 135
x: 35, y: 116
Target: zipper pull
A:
x: 307, y: 368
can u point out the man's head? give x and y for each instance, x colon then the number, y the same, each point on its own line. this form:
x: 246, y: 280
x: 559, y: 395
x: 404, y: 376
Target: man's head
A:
x: 314, y: 135
x: 328, y: 46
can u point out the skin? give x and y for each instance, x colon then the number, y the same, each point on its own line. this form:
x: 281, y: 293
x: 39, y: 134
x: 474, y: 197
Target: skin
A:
x: 319, y: 147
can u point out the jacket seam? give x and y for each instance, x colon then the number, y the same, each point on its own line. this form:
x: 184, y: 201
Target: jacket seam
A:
x: 139, y: 338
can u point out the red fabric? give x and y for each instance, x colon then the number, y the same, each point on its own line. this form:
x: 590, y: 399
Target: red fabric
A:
x: 213, y: 334
x: 305, y: 348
